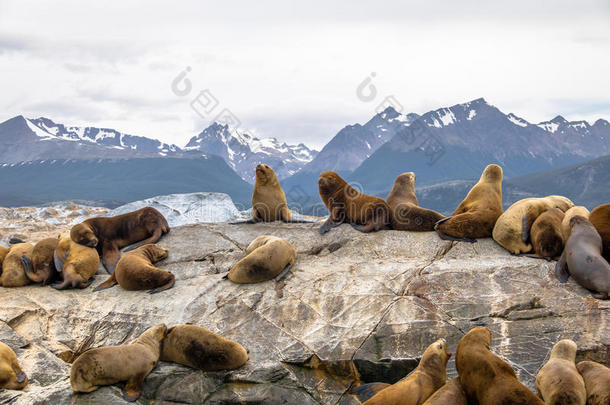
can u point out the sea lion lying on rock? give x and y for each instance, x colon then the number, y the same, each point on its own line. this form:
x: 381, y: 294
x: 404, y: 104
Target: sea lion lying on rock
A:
x: 547, y: 234
x: 76, y: 263
x: 600, y: 218
x: 13, y: 272
x: 11, y: 375
x: 41, y: 267
x: 267, y: 257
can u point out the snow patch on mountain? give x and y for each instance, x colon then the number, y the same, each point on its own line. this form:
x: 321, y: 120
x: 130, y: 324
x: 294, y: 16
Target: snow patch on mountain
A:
x: 517, y: 120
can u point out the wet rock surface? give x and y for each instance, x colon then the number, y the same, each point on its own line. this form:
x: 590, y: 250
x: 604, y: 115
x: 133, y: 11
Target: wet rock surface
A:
x: 354, y: 308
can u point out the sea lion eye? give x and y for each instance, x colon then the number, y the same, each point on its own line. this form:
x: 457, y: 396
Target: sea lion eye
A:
x: 330, y: 178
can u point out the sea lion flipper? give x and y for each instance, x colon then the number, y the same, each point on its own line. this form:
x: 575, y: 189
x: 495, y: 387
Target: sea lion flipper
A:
x: 61, y: 286
x: 250, y: 221
x: 526, y: 224
x: 167, y: 286
x: 327, y: 226
x: 59, y: 262
x: 21, y: 376
x: 154, y: 238
x: 365, y: 392
x: 133, y: 388
x: 444, y: 236
x: 110, y: 258
x: 14, y: 240
x: 561, y: 269
x: 27, y: 264
x: 283, y: 273
x: 440, y: 221
x: 111, y: 282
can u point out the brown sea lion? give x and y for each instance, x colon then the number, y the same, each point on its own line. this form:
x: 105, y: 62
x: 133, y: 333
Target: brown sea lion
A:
x: 512, y: 229
x: 600, y: 218
x: 135, y: 271
x: 429, y: 376
x: 582, y: 259
x: 485, y: 378
x: 547, y: 234
x: 199, y: 348
x: 11, y: 376
x: 267, y: 257
x: 565, y: 224
x: 112, y: 364
x: 13, y: 273
x: 449, y: 394
x: 76, y: 263
x: 597, y: 382
x: 405, y: 214
x: 110, y: 234
x: 41, y: 267
x: 3, y: 253
x: 366, y: 213
x: 558, y: 382
x: 476, y: 216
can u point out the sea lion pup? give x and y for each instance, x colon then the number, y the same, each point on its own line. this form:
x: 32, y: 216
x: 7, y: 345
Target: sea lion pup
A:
x: 366, y: 213
x: 597, y: 382
x: 405, y: 214
x: 110, y: 234
x: 112, y: 364
x: 199, y: 348
x: 11, y: 376
x: 572, y: 212
x: 428, y: 377
x: 558, y: 382
x: 76, y: 263
x: 267, y: 256
x: 547, y: 234
x: 476, y: 216
x: 450, y: 393
x: 13, y: 273
x: 135, y: 271
x: 41, y: 267
x: 485, y: 378
x: 600, y: 218
x: 582, y: 259
x: 512, y: 228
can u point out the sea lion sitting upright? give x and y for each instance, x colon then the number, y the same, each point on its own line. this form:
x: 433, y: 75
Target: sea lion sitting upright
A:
x: 547, y: 234
x: 558, y: 382
x: 135, y: 271
x: 199, y: 348
x: 405, y: 214
x: 572, y: 212
x: 486, y: 378
x: 110, y: 234
x: 41, y: 267
x: 476, y: 216
x: 429, y: 376
x: 267, y: 257
x: 11, y: 376
x: 597, y: 382
x: 582, y: 259
x: 112, y: 364
x: 366, y: 213
x: 600, y: 218
x: 13, y: 272
x: 449, y: 394
x: 76, y: 263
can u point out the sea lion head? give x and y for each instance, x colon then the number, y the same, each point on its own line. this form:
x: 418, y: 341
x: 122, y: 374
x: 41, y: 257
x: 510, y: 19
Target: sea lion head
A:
x: 155, y: 252
x: 436, y: 355
x: 578, y: 220
x: 492, y: 174
x: 265, y: 174
x: 405, y: 180
x: 564, y: 349
x: 329, y: 182
x: 83, y: 235
x: 478, y: 335
x: 153, y: 334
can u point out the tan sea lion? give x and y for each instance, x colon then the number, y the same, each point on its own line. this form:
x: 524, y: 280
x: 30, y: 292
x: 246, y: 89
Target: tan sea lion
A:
x: 267, y: 256
x: 135, y: 271
x: 485, y: 378
x: 41, y: 267
x: 112, y: 364
x: 565, y: 224
x: 3, y: 253
x: 476, y: 216
x: 547, y: 234
x: 600, y: 218
x: 425, y: 380
x: 558, y: 382
x: 110, y: 234
x: 366, y: 213
x: 597, y: 382
x: 512, y: 228
x: 405, y: 214
x: 13, y: 273
x: 76, y: 263
x: 449, y: 394
x: 582, y: 259
x: 199, y: 348
x: 11, y: 376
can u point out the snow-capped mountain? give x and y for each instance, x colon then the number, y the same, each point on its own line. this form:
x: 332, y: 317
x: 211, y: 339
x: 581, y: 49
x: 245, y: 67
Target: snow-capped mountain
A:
x: 243, y: 151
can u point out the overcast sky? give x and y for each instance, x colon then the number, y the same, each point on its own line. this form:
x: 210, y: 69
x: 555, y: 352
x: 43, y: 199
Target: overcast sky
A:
x: 291, y: 69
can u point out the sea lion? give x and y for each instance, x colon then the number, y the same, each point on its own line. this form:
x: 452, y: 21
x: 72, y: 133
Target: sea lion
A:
x: 76, y: 263
x: 597, y: 382
x: 365, y: 392
x: 512, y: 228
x: 565, y: 224
x: 13, y: 273
x: 418, y: 386
x: 476, y: 215
x: 485, y: 378
x: 547, y: 234
x: 366, y: 213
x: 600, y: 218
x: 558, y: 382
x: 405, y: 214
x: 3, y: 253
x: 267, y: 256
x: 41, y: 267
x: 450, y: 393
x: 582, y: 259
x: 112, y: 364
x: 135, y: 271
x: 11, y: 376
x: 199, y: 348
x: 110, y: 234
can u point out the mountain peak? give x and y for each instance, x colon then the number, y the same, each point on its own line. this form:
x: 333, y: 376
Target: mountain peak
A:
x: 559, y: 120
x: 601, y: 123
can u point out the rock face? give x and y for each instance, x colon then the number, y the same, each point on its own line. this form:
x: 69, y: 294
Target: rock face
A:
x: 355, y: 308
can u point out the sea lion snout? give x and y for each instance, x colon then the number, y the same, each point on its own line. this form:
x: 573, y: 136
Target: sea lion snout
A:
x: 92, y: 242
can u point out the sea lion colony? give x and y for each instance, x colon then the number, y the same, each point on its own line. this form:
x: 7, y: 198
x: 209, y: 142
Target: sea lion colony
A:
x: 542, y: 224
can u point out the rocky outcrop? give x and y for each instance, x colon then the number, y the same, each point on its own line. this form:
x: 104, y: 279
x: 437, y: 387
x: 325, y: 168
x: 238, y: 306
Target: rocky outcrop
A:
x: 355, y: 308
